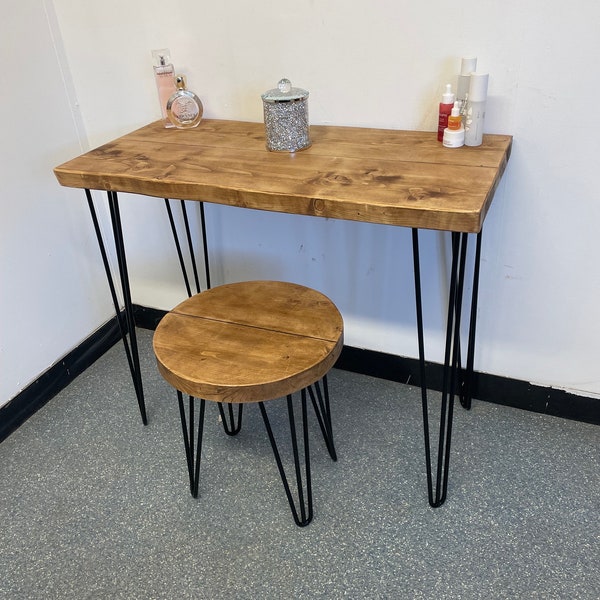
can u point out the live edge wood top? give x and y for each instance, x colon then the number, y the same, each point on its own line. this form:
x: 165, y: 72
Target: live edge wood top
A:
x: 249, y: 342
x: 404, y: 178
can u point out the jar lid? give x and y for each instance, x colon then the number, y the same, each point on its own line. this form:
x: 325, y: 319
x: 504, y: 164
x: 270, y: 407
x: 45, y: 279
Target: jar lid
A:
x: 284, y: 92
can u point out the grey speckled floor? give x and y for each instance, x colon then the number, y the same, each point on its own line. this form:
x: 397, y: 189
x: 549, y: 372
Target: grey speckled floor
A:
x: 94, y: 505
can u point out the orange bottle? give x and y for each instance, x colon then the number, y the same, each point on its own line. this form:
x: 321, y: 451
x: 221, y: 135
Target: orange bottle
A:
x: 454, y: 119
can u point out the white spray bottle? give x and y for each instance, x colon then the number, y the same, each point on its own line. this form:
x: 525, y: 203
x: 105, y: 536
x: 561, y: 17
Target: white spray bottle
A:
x: 475, y: 113
x: 468, y: 65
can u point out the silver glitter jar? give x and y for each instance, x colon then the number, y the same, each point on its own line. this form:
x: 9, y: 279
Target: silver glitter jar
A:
x: 286, y: 118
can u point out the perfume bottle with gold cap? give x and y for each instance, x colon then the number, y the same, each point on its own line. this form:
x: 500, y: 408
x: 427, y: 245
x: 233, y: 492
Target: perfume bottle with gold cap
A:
x: 184, y: 108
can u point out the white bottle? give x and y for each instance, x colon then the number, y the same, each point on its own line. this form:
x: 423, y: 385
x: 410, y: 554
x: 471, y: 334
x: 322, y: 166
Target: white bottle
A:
x: 474, y: 116
x: 468, y: 65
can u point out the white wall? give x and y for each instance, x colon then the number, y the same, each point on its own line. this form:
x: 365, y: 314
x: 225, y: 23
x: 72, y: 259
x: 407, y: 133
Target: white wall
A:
x: 378, y: 64
x: 52, y: 288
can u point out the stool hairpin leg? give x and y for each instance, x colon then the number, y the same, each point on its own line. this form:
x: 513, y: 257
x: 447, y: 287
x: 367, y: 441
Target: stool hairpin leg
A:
x: 306, y: 507
x: 451, y: 366
x: 322, y: 409
x: 125, y: 321
x: 187, y: 425
x: 229, y: 424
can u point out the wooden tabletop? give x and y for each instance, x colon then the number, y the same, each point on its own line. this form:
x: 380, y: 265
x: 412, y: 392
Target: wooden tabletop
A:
x: 249, y: 341
x: 404, y: 178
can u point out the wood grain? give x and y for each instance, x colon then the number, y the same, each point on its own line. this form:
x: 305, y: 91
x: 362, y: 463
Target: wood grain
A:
x: 404, y: 178
x: 248, y: 342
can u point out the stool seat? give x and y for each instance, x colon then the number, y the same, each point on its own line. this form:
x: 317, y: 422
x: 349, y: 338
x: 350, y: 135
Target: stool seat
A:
x: 249, y: 342
x: 253, y: 341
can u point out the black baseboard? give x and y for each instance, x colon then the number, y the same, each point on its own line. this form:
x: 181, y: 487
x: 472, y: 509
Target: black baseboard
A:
x: 486, y: 387
x: 147, y: 318
x: 490, y: 388
x: 46, y: 386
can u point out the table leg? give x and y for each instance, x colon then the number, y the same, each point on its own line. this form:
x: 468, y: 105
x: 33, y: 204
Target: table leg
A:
x: 230, y: 426
x: 190, y: 246
x: 125, y: 319
x: 453, y: 375
x: 466, y: 391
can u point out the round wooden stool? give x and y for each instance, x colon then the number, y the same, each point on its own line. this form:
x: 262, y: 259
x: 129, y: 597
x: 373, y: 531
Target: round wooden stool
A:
x: 251, y: 342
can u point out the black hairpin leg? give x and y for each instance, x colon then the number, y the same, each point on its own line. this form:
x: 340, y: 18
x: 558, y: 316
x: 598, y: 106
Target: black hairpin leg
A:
x: 229, y: 422
x: 465, y: 375
x: 190, y: 245
x: 305, y: 504
x: 466, y: 388
x: 451, y: 373
x: 320, y: 402
x: 205, y: 246
x: 126, y: 321
x: 229, y: 426
x: 188, y: 425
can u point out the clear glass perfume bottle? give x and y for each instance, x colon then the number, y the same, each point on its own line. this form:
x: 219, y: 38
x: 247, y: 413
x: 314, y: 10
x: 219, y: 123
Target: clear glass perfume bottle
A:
x: 184, y: 108
x: 164, y: 75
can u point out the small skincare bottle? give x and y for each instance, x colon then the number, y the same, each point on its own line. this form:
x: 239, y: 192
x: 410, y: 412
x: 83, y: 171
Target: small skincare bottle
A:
x: 475, y: 113
x: 454, y: 134
x: 184, y: 108
x: 455, y: 120
x: 445, y: 109
x: 164, y: 74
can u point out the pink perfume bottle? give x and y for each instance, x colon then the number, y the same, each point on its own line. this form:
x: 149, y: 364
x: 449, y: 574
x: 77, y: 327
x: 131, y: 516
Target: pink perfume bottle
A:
x: 164, y: 74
